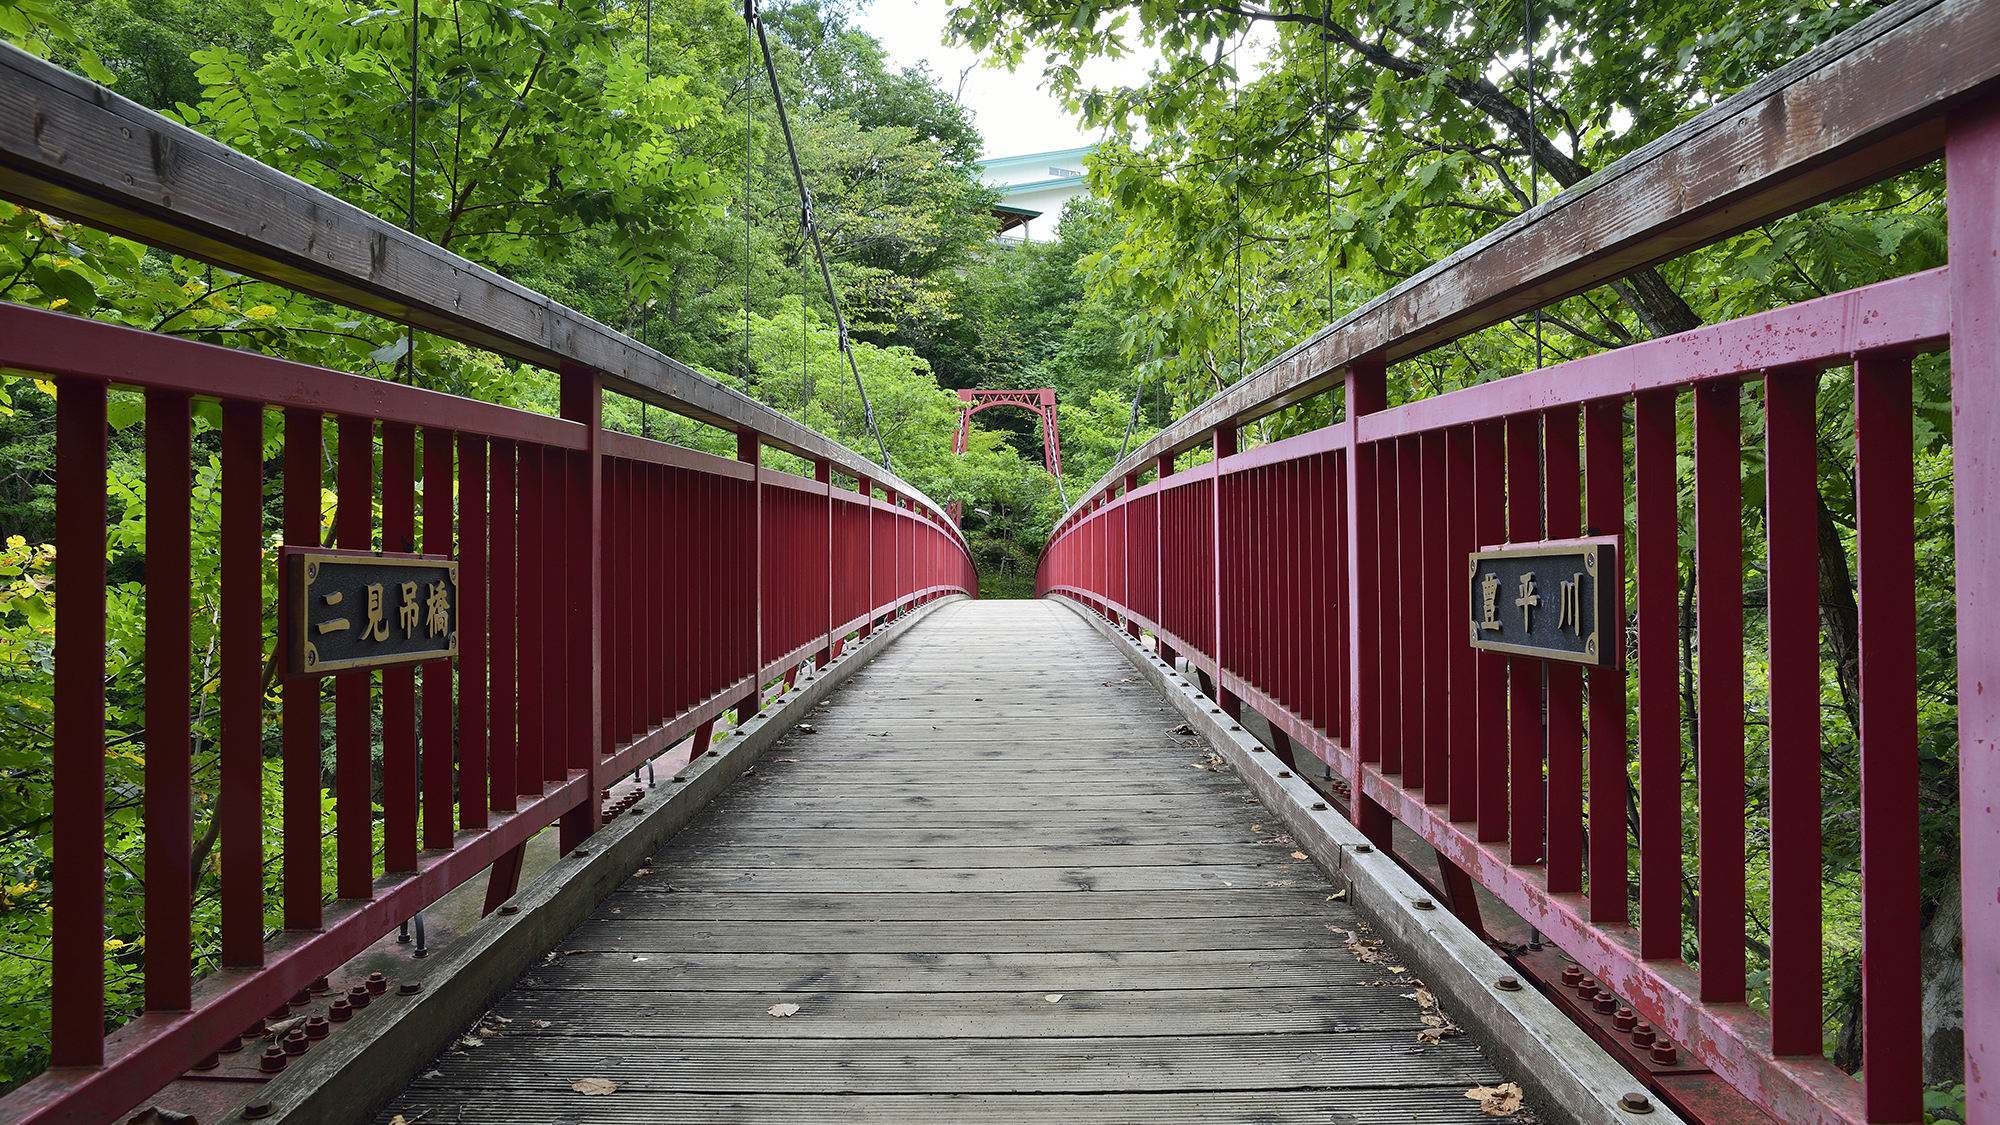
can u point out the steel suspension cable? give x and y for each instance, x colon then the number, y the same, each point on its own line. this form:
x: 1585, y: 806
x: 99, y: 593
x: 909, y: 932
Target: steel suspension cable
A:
x: 811, y: 225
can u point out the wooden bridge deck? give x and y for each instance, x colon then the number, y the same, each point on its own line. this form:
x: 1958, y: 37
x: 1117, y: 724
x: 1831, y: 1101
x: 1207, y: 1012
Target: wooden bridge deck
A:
x: 997, y: 890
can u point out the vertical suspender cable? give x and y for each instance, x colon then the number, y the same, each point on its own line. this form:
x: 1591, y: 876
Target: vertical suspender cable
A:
x: 749, y: 79
x: 410, y: 356
x: 756, y: 23
x: 1534, y: 173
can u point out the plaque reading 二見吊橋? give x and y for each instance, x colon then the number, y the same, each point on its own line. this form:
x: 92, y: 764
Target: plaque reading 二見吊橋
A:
x: 1554, y: 600
x: 355, y: 610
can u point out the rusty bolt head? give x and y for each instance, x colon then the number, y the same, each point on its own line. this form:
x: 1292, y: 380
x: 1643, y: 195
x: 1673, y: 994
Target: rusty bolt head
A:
x: 409, y: 988
x: 1424, y: 904
x: 580, y: 851
x: 318, y: 987
x: 1319, y: 806
x: 1586, y: 988
x: 340, y: 1011
x: 296, y: 1043
x: 1624, y: 1020
x: 318, y: 1028
x: 510, y: 909
x: 359, y: 996
x: 715, y: 753
x: 680, y: 777
x: 255, y: 1030
x: 377, y: 983
x: 273, y: 1060
x: 1664, y: 1053
x: 1635, y: 1103
x: 1284, y: 773
x: 1508, y: 984
x: 1363, y: 849
x: 1606, y: 1003
x: 1571, y: 975
x: 209, y: 1062
x: 1642, y: 1035
x: 232, y: 1044
x: 282, y: 1011
x: 262, y: 1107
x: 302, y: 997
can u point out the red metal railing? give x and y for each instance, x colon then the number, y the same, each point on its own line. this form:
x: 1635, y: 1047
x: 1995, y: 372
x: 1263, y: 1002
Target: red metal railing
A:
x: 617, y: 595
x: 1320, y: 580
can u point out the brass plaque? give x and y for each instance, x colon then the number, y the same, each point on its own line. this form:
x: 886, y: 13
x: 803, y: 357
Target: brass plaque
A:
x: 1555, y: 600
x: 355, y: 610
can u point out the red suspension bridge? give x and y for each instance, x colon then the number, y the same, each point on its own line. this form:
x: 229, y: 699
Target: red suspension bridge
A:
x: 1333, y: 613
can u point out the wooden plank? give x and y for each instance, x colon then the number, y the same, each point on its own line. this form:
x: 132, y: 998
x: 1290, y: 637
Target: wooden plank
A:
x: 922, y: 913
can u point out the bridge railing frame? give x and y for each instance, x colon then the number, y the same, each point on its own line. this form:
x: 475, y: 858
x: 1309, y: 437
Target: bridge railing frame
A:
x: 617, y: 594
x: 1320, y: 579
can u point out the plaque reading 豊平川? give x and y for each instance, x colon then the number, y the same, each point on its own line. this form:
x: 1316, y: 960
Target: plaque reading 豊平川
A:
x: 1554, y: 600
x: 355, y: 610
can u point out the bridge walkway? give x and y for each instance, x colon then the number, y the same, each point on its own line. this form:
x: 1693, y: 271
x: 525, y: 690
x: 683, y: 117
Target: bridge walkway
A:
x: 997, y: 888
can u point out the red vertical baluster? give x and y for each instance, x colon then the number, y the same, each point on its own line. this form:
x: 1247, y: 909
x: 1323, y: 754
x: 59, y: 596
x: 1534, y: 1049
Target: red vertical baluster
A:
x: 1562, y: 484
x: 77, y: 926
x: 169, y: 821
x: 1604, y: 445
x: 1885, y: 516
x: 583, y: 401
x: 354, y: 783
x: 1367, y: 391
x: 1718, y: 526
x: 530, y: 612
x: 241, y: 801
x: 399, y: 690
x: 1410, y: 605
x: 439, y: 750
x: 476, y: 790
x: 1441, y: 619
x: 1658, y: 575
x: 550, y: 597
x: 304, y: 494
x: 1387, y: 606
x: 1791, y: 533
x: 1526, y: 817
x: 1490, y: 672
x: 506, y: 614
x: 1462, y: 659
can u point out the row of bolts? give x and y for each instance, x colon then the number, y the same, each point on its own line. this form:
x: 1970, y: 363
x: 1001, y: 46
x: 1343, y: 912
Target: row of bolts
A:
x: 1622, y: 1018
x: 304, y: 1034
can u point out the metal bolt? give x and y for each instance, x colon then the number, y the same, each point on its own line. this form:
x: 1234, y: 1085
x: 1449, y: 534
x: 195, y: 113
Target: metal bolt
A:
x: 580, y: 851
x: 1215, y: 710
x: 340, y: 1011
x: 680, y: 777
x: 318, y: 1028
x: 1571, y: 975
x: 410, y: 988
x: 255, y: 1030
x: 1635, y: 1103
x: 1424, y: 904
x: 1508, y: 984
x: 262, y: 1107
x: 296, y: 1043
x: 302, y: 997
x: 1642, y: 1035
x: 715, y: 753
x: 510, y: 910
x: 1284, y: 773
x: 273, y: 1060
x: 282, y: 1011
x: 318, y: 987
x: 1624, y: 1020
x: 1233, y: 726
x: 1253, y: 749
x: 1606, y: 1002
x: 1586, y: 988
x: 1363, y: 849
x: 359, y: 997
x: 209, y: 1062
x: 377, y: 983
x: 1319, y: 806
x: 1665, y: 1054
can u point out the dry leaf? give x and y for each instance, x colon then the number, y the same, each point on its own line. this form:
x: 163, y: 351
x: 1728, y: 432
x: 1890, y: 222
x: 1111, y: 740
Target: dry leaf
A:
x: 543, y: 1023
x: 1337, y: 896
x: 398, y: 1120
x: 488, y: 1032
x: 1300, y: 855
x: 782, y: 1010
x: 1398, y: 969
x: 278, y: 1030
x: 1256, y: 828
x: 471, y: 1041
x: 593, y: 1086
x: 1503, y: 1100
x: 643, y: 871
x: 433, y: 1074
x: 785, y: 759
x: 1053, y: 997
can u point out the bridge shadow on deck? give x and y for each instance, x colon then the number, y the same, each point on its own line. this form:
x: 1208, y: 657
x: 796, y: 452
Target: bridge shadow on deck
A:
x: 998, y: 890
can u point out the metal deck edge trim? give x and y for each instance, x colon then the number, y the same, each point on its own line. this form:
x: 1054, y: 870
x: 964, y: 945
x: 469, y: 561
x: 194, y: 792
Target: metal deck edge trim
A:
x: 1564, y: 1072
x: 347, y: 1079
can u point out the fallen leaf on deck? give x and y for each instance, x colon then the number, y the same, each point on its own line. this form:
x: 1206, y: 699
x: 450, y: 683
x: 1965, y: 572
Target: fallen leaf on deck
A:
x: 1337, y: 896
x: 1182, y: 729
x: 278, y: 1030
x: 643, y: 871
x: 471, y: 1041
x: 1503, y: 1100
x: 398, y: 1120
x: 1256, y: 828
x: 782, y: 1010
x: 543, y: 1023
x: 568, y: 952
x: 640, y: 958
x: 433, y: 1074
x: 1054, y: 997
x: 593, y: 1086
x: 1299, y: 855
x: 784, y: 759
x: 1398, y: 969
x: 488, y: 1032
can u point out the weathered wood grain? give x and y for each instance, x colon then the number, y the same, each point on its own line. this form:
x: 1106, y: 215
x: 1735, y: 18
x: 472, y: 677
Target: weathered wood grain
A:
x: 1081, y: 935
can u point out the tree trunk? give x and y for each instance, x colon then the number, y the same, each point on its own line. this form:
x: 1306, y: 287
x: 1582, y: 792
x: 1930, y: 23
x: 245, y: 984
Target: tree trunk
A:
x: 1943, y: 975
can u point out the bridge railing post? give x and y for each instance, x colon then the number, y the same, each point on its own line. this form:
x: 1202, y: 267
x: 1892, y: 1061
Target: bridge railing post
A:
x: 749, y: 450
x: 582, y: 400
x: 1367, y: 392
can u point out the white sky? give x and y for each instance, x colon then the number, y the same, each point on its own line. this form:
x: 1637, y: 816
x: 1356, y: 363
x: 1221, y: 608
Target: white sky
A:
x: 1013, y: 114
